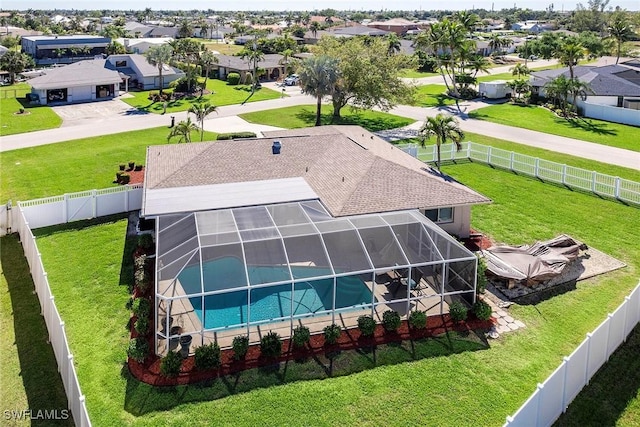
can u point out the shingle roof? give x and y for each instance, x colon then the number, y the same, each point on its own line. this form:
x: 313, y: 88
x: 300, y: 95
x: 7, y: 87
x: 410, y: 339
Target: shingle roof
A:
x: 271, y: 60
x: 608, y: 80
x: 351, y: 170
x: 81, y: 73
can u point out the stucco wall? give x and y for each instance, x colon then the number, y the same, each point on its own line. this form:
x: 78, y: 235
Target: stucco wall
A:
x: 461, y: 222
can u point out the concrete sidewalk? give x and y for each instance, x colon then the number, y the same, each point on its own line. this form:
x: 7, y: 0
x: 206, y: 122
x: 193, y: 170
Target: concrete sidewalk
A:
x: 223, y: 122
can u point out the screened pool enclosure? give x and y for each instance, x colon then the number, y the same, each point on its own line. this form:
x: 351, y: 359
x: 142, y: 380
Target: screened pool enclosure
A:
x: 229, y: 272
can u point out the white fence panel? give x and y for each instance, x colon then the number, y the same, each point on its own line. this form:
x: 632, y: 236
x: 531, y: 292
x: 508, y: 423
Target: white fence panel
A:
x: 598, y: 347
x: 633, y: 311
x: 551, y: 397
x: 527, y: 415
x: 576, y: 373
x: 616, y: 328
x: 80, y: 206
x: 629, y: 191
x: 43, y: 215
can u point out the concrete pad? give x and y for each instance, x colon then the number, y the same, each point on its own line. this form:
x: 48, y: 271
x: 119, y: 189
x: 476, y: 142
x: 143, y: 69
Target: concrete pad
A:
x: 502, y: 329
x: 501, y: 313
x: 519, y: 323
x: 235, y: 124
x: 502, y: 322
x: 508, y: 319
x: 91, y: 112
x: 512, y: 326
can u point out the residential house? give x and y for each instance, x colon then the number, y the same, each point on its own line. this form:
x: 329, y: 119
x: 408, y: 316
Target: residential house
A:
x: 141, y: 45
x: 271, y: 63
x: 307, y: 226
x: 614, y: 90
x: 399, y: 26
x: 533, y: 27
x: 140, y: 73
x: 47, y: 50
x: 82, y: 81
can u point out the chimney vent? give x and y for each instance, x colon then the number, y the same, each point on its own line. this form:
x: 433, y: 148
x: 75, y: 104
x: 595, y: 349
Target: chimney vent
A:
x: 275, y: 148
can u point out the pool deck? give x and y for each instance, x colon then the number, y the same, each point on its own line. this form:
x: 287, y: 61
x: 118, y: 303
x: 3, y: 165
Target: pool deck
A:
x: 422, y: 297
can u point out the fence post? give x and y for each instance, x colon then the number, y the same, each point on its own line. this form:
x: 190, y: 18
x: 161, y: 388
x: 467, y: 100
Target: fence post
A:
x: 94, y: 203
x: 609, y: 316
x: 70, y: 396
x: 65, y: 209
x: 489, y: 156
x: 49, y: 317
x: 469, y: 150
x: 586, y: 370
x: 511, y: 161
x: 540, y: 387
x: 564, y: 174
x: 565, y: 404
x: 126, y: 198
x: 626, y: 312
x: 536, y: 167
x: 594, y: 176
x: 617, y: 188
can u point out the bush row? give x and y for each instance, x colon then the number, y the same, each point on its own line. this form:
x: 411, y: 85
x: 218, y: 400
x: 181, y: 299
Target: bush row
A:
x: 235, y: 135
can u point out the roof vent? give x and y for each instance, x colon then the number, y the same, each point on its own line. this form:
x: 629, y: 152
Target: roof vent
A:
x: 275, y: 148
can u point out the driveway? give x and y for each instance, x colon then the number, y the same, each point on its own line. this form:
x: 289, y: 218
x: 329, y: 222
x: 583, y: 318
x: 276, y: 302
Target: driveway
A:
x: 92, y: 112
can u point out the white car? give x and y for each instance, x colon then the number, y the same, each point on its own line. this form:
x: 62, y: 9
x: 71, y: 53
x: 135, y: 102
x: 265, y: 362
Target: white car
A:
x: 292, y: 80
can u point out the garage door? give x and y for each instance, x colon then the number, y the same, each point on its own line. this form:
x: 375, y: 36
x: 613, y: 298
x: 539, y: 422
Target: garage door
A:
x: 81, y: 93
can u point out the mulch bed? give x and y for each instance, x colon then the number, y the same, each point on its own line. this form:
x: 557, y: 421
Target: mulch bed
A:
x: 149, y: 371
x: 135, y: 177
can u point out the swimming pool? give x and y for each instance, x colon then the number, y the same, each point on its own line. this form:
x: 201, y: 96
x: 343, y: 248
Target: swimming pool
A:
x: 273, y: 302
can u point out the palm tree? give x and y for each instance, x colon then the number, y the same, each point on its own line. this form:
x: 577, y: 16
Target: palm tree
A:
x: 314, y: 27
x: 520, y: 70
x: 286, y: 56
x: 444, y: 127
x: 185, y: 30
x: 183, y: 130
x: 620, y: 30
x: 318, y: 77
x: 394, y: 43
x: 253, y: 55
x: 519, y: 86
x: 578, y: 88
x: 159, y: 56
x: 201, y: 111
x: 468, y: 19
x: 207, y: 59
x: 496, y: 42
x: 569, y: 52
x: 558, y: 90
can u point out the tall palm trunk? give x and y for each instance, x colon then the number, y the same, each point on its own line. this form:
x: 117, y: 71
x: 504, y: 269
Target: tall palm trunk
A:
x: 438, y: 143
x: 318, y: 110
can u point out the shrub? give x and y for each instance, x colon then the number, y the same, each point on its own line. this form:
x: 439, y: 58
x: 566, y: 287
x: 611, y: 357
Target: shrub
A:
x: 332, y: 333
x: 418, y: 319
x: 141, y: 307
x: 125, y: 178
x: 121, y: 166
x: 140, y: 260
x: 142, y: 280
x: 233, y: 78
x: 138, y: 349
x: 391, y: 320
x: 170, y: 364
x: 270, y: 345
x: 137, y: 168
x: 145, y: 241
x: 240, y: 346
x: 301, y: 336
x: 367, y: 325
x: 235, y: 135
x: 482, y: 310
x: 142, y: 325
x: 458, y: 311
x: 208, y: 356
x: 482, y: 276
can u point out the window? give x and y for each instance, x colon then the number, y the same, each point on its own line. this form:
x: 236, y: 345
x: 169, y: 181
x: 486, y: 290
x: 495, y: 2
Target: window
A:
x: 439, y: 215
x: 121, y: 64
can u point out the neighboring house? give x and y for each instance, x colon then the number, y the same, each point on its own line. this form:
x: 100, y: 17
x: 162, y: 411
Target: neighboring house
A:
x: 136, y: 29
x: 307, y: 226
x: 162, y: 32
x: 141, y: 45
x: 271, y: 63
x: 350, y: 31
x: 399, y: 26
x: 83, y: 81
x: 47, y: 50
x: 614, y: 90
x: 533, y: 27
x: 141, y: 74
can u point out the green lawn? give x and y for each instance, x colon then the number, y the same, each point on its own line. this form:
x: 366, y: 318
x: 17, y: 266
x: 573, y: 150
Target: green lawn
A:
x: 18, y: 90
x: 304, y: 116
x: 83, y: 164
x: 432, y: 96
x: 221, y: 94
x: 415, y: 74
x: 578, y: 162
x: 479, y: 386
x: 35, y: 117
x: 29, y: 377
x: 540, y: 119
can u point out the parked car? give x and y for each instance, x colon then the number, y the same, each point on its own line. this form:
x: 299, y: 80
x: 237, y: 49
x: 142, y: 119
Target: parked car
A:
x: 292, y: 80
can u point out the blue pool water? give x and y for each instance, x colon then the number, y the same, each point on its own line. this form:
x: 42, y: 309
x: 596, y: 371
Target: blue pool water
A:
x: 311, y: 297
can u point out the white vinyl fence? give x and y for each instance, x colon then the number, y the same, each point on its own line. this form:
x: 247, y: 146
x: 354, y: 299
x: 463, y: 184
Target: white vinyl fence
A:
x: 581, y: 179
x: 59, y: 210
x: 554, y: 395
